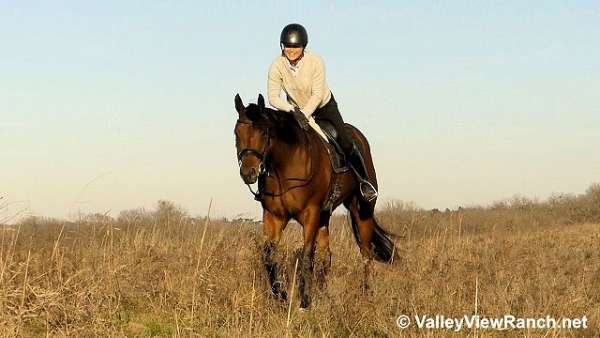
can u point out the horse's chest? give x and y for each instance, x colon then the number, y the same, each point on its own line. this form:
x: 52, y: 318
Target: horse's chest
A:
x: 288, y: 203
x: 275, y: 206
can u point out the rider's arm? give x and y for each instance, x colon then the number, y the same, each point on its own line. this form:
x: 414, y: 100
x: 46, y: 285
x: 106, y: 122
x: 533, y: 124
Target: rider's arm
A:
x: 274, y: 90
x: 318, y: 86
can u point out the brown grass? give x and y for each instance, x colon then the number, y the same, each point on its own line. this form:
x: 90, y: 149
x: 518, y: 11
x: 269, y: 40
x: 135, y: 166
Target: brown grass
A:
x: 146, y: 274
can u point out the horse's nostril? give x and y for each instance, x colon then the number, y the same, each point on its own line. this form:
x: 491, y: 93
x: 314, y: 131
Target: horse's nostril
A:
x: 249, y: 175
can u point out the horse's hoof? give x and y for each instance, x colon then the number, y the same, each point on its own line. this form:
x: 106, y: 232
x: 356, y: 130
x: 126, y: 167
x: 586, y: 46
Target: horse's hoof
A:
x: 283, y: 296
x: 304, y: 304
x: 303, y: 309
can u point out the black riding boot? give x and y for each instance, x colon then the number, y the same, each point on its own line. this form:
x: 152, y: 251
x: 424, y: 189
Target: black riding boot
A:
x: 357, y: 163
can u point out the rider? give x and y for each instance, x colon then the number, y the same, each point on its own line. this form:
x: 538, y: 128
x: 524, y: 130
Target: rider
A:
x: 301, y: 75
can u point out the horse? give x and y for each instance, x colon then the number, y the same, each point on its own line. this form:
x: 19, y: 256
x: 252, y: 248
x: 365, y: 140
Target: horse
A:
x: 295, y: 178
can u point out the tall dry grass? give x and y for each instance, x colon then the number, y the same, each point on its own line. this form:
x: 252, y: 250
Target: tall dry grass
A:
x: 162, y: 273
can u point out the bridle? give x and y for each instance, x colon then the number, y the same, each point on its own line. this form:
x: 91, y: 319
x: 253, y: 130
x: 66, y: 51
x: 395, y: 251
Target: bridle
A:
x: 259, y: 154
x: 263, y: 167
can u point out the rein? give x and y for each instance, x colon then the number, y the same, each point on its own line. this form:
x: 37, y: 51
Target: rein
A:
x: 305, y: 180
x: 263, y: 167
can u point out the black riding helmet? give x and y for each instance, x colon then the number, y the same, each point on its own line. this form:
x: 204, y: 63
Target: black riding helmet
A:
x: 294, y: 35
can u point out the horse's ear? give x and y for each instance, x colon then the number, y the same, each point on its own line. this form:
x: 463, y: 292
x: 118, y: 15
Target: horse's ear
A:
x: 239, y: 105
x: 261, y: 101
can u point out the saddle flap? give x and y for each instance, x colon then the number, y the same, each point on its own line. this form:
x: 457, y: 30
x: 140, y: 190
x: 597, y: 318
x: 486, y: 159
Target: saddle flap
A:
x: 336, y: 153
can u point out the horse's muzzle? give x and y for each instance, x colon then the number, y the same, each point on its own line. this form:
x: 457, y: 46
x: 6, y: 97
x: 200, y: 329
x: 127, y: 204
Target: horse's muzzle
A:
x: 249, y: 176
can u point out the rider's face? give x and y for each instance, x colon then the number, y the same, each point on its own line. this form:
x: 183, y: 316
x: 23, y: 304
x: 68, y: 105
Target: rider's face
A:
x: 292, y: 53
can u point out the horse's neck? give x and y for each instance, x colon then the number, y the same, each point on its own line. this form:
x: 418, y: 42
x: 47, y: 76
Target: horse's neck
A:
x: 293, y: 160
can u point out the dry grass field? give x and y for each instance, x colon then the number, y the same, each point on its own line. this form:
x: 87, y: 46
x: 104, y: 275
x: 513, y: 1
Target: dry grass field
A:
x: 162, y: 273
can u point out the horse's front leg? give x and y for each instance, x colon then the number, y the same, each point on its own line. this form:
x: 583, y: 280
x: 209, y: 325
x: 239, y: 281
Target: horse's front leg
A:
x: 272, y: 229
x: 322, y: 251
x: 310, y: 222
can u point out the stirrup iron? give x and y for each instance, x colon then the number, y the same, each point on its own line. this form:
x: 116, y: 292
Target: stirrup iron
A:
x: 366, y: 188
x: 369, y: 186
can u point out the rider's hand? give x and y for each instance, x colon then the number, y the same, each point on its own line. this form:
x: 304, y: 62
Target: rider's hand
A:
x: 301, y: 118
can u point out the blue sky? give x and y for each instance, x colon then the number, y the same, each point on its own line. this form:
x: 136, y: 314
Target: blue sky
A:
x: 114, y: 105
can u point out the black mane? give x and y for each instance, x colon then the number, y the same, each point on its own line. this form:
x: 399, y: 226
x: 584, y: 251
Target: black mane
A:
x: 283, y: 125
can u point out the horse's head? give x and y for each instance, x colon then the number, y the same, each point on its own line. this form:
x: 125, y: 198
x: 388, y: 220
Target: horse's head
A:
x: 252, y: 138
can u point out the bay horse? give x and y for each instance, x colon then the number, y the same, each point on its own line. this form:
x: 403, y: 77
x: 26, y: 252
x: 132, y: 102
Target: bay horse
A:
x: 294, y: 177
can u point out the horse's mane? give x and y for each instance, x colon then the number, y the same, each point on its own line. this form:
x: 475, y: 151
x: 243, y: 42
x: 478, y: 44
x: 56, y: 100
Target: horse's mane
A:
x: 283, y: 125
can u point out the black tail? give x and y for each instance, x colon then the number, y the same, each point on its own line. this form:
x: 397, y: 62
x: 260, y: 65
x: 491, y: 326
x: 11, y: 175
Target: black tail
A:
x: 383, y: 247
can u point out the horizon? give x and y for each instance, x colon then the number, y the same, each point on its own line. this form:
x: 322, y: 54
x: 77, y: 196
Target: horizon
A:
x: 22, y: 213
x: 114, y: 106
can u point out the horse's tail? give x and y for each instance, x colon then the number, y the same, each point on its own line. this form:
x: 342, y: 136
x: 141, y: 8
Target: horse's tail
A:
x: 383, y: 246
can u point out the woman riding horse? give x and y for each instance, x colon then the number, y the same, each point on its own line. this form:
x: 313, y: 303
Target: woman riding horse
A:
x: 301, y: 75
x: 295, y: 181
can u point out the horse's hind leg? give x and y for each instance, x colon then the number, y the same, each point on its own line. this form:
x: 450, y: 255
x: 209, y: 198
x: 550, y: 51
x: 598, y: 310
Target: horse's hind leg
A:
x: 363, y: 225
x: 322, y: 252
x: 272, y: 228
